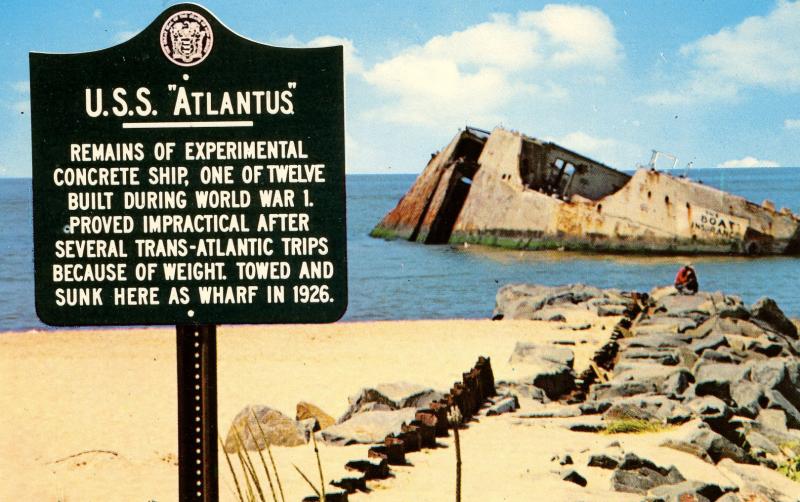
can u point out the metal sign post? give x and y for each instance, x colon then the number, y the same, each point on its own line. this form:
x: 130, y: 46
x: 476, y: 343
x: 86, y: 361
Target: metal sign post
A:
x: 189, y: 177
x: 197, y: 413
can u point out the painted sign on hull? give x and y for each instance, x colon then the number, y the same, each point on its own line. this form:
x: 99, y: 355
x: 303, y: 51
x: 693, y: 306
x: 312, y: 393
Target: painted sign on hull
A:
x: 712, y: 224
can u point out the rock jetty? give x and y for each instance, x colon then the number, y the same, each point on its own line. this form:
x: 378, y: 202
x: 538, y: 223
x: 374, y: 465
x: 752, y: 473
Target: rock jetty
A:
x: 711, y: 376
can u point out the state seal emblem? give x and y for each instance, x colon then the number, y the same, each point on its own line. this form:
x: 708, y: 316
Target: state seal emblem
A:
x: 186, y: 38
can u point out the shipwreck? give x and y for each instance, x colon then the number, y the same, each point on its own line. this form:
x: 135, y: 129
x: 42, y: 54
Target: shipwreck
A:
x: 503, y: 188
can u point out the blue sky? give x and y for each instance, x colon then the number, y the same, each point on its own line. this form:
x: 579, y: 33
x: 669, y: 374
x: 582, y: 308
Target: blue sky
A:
x: 716, y: 83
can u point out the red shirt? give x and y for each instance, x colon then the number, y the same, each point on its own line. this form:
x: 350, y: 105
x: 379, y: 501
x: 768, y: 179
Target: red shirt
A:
x: 685, y: 274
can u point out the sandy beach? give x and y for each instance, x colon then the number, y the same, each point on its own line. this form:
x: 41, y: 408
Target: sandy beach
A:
x: 91, y: 415
x: 112, y: 393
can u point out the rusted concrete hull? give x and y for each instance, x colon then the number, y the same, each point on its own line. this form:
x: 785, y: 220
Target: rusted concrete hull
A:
x: 506, y: 189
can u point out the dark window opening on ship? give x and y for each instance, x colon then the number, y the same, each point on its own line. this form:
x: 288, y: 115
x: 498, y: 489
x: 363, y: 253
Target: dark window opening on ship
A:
x: 666, y: 199
x: 461, y: 172
x: 553, y: 170
x: 599, y: 208
x: 649, y: 194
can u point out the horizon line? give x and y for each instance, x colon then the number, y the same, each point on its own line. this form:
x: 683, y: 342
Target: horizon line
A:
x: 377, y: 173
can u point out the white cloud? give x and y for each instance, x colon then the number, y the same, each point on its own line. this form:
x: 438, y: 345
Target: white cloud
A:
x: 576, y: 34
x: 609, y: 151
x: 124, y: 36
x: 471, y: 75
x: 748, y: 162
x: 761, y: 52
x: 97, y: 14
x: 352, y: 62
x: 288, y: 41
x: 791, y: 124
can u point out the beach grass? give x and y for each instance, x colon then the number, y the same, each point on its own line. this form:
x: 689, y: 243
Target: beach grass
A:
x: 791, y: 467
x: 634, y: 426
x: 252, y: 485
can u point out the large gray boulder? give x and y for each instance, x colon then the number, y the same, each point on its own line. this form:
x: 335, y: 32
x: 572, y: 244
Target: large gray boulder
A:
x: 761, y: 481
x: 780, y: 379
x: 767, y: 311
x: 642, y: 379
x: 699, y: 306
x: 716, y: 325
x: 654, y: 341
x: 649, y: 408
x: 666, y: 357
x: 770, y: 374
x: 748, y: 397
x: 534, y: 353
x: 771, y: 425
x: 390, y: 396
x: 776, y: 400
x: 555, y: 380
x: 663, y: 324
x: 710, y: 409
x: 368, y: 427
x: 677, y: 305
x: 631, y: 409
x: 715, y: 379
x: 769, y: 346
x: 772, y: 419
x: 687, y: 491
x: 699, y: 440
x: 638, y: 475
x: 710, y: 342
x: 779, y: 374
x: 277, y: 429
x: 723, y: 355
x: 524, y: 301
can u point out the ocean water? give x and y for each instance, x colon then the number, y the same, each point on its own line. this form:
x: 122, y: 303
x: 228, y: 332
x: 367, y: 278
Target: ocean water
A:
x: 403, y: 280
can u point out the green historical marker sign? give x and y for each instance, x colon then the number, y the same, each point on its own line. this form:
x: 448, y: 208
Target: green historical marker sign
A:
x: 189, y: 176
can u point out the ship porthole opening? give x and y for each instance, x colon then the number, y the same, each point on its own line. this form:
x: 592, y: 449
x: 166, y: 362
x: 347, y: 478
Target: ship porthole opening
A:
x: 666, y: 199
x: 649, y: 194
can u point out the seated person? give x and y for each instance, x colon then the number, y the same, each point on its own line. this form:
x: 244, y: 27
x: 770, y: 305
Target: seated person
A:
x: 686, y: 280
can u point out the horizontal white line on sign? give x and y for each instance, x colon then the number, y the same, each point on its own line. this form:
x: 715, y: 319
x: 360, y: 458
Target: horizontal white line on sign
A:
x: 174, y: 125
